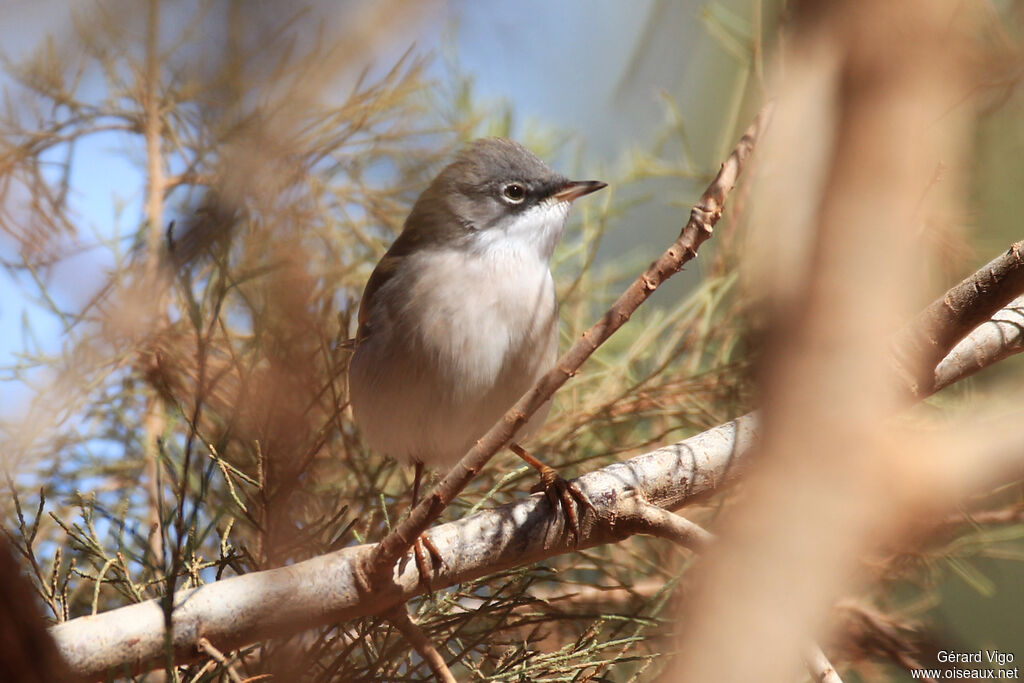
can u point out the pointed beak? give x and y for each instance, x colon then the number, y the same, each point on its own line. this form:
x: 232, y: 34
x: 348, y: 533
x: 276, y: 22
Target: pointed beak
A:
x: 578, y: 188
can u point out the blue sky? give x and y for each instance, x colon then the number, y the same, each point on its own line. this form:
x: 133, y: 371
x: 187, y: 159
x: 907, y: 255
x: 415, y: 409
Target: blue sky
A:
x: 569, y: 64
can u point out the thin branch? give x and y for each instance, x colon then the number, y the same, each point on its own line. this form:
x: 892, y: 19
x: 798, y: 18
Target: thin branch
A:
x: 418, y: 639
x: 323, y: 590
x: 703, y: 217
x: 153, y: 131
x: 207, y: 647
x: 930, y: 336
x: 640, y: 516
x: 153, y: 420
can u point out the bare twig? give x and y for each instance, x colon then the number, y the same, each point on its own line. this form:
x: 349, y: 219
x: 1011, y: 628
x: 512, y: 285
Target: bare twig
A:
x: 206, y: 646
x: 698, y: 229
x: 418, y: 639
x: 321, y: 590
x: 153, y: 421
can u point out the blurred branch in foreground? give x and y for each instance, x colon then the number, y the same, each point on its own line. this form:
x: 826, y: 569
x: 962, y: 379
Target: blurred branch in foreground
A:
x: 236, y: 611
x: 292, y: 145
x: 526, y: 532
x: 837, y: 473
x: 348, y: 577
x: 27, y: 651
x: 703, y: 217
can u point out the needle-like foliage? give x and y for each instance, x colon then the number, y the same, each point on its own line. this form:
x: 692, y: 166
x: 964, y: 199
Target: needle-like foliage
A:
x: 189, y: 420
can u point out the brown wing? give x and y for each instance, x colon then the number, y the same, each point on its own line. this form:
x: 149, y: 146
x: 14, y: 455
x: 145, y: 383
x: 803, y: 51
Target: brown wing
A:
x: 384, y: 271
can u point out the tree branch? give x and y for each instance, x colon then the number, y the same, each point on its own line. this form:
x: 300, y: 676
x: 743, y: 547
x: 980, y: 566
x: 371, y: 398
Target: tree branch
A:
x: 216, y: 655
x: 930, y: 336
x: 322, y: 590
x: 418, y: 639
x: 819, y: 666
x: 641, y: 517
x: 990, y: 342
x: 656, y: 521
x: 698, y: 229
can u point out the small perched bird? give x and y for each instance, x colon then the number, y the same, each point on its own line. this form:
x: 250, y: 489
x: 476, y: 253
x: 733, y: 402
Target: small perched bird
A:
x: 459, y: 318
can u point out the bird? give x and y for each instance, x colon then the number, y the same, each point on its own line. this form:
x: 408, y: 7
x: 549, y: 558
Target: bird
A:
x: 459, y: 317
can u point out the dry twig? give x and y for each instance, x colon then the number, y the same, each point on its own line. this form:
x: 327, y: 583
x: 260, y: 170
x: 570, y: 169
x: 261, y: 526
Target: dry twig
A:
x: 418, y: 639
x: 324, y: 590
x: 698, y: 229
x: 208, y: 648
x: 242, y: 609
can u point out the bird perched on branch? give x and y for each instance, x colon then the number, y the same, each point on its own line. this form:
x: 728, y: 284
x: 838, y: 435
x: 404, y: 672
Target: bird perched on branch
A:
x: 459, y: 318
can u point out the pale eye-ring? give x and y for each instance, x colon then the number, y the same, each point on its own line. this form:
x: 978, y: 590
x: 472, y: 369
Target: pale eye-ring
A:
x: 514, y: 192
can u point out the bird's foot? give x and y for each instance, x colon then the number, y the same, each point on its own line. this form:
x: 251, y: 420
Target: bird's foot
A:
x: 560, y: 493
x: 565, y: 494
x: 424, y: 552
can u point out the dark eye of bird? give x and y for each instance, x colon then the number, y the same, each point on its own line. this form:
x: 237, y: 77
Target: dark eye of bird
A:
x: 514, y: 192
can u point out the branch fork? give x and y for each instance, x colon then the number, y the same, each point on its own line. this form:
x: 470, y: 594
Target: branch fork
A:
x: 696, y: 231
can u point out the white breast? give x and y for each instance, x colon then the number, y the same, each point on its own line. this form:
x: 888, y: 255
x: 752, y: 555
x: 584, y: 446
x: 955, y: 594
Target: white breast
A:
x: 457, y: 336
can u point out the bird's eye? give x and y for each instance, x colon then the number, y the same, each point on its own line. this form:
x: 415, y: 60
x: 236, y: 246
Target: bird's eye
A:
x: 514, y: 192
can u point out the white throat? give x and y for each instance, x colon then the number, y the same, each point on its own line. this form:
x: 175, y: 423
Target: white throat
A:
x: 535, y: 231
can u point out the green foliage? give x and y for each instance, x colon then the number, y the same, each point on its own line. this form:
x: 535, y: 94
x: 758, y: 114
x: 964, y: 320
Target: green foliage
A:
x: 202, y: 429
x: 192, y: 424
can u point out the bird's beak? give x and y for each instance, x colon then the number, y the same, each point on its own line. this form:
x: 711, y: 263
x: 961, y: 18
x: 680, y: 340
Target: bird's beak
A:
x: 578, y: 188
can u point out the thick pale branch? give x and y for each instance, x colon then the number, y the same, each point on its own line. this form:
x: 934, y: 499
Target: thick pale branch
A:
x: 698, y: 229
x: 240, y: 610
x: 819, y: 666
x: 993, y: 340
x: 236, y: 611
x: 930, y: 336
